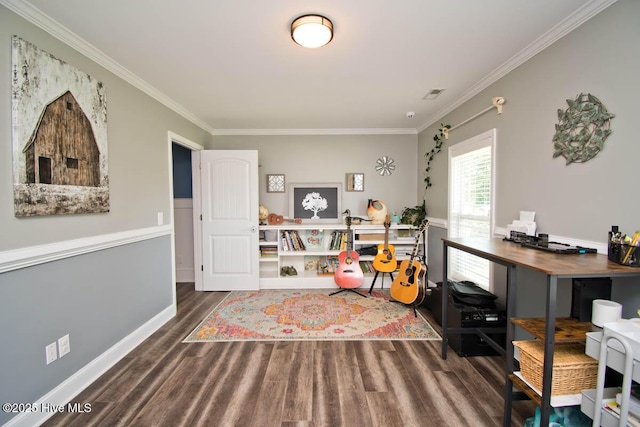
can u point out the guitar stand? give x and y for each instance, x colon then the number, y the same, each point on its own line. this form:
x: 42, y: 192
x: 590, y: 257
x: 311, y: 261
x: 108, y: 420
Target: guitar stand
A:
x: 349, y: 289
x: 413, y: 305
x: 374, y: 280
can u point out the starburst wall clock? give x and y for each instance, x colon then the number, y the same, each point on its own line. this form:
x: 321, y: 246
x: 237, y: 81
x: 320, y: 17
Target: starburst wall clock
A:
x: 385, y: 165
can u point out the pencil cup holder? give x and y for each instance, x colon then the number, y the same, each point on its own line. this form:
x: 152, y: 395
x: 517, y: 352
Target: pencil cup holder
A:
x: 624, y: 254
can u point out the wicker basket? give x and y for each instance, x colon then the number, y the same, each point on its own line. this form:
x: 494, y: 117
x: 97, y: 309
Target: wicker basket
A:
x: 573, y: 370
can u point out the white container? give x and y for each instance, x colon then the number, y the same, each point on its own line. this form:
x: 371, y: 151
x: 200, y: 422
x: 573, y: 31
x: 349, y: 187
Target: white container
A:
x: 615, y: 354
x: 588, y: 406
x: 604, y: 311
x: 627, y: 328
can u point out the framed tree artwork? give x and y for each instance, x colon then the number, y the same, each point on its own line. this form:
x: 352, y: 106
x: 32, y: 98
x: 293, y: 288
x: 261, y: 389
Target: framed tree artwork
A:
x: 316, y: 203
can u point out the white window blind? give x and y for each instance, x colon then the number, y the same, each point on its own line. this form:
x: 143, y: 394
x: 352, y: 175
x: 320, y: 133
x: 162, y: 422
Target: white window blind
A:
x: 470, y: 204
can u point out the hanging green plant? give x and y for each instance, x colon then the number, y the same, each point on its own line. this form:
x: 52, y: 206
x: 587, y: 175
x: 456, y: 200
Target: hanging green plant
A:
x: 439, y: 140
x: 582, y: 129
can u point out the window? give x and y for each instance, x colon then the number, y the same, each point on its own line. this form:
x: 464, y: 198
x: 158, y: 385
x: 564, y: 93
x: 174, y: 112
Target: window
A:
x: 471, y: 172
x: 72, y: 163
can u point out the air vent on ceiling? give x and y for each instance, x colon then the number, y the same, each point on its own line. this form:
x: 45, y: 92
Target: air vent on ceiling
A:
x: 433, y: 94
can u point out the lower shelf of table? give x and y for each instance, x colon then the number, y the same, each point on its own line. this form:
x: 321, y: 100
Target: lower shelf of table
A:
x: 535, y: 395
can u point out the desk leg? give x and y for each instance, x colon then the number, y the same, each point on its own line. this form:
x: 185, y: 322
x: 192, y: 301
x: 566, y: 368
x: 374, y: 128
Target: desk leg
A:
x: 445, y: 297
x: 511, y: 306
x: 549, y: 342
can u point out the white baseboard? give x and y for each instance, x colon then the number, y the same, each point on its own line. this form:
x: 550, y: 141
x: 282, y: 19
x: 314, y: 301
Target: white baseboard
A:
x: 76, y: 383
x: 185, y: 275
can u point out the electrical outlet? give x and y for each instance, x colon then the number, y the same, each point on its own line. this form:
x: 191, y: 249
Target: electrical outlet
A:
x: 160, y: 218
x: 63, y: 345
x: 52, y: 353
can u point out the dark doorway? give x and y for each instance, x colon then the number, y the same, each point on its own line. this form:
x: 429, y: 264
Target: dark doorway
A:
x: 44, y: 168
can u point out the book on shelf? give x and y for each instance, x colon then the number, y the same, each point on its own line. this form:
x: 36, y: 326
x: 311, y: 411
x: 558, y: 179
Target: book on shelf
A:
x: 367, y: 266
x: 268, y: 251
x: 327, y: 265
x: 286, y: 243
x: 338, y: 240
x: 314, y: 239
x: 311, y: 263
x: 291, y: 241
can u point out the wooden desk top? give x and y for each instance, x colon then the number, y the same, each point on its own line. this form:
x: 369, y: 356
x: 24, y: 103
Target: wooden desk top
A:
x: 569, y: 265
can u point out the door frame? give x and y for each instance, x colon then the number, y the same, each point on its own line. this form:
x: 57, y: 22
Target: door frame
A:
x: 197, y: 259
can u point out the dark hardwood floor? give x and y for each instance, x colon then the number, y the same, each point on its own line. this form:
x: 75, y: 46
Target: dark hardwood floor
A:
x: 164, y: 382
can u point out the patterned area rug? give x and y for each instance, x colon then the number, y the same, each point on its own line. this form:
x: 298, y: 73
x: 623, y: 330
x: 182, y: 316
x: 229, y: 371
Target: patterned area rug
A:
x: 277, y: 315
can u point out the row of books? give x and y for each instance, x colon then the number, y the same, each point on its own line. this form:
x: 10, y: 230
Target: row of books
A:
x: 268, y: 251
x: 367, y: 267
x: 328, y: 264
x: 321, y: 264
x: 338, y: 240
x: 291, y: 241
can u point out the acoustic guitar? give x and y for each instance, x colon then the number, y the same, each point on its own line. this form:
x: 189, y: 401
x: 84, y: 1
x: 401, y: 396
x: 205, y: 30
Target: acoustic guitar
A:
x: 408, y: 287
x: 349, y: 274
x: 385, y: 261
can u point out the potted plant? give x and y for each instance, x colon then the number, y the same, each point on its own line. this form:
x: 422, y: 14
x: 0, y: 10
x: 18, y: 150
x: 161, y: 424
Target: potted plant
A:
x: 414, y: 215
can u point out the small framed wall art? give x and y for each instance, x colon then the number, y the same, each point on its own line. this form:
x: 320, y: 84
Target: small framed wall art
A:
x: 355, y: 182
x: 275, y: 183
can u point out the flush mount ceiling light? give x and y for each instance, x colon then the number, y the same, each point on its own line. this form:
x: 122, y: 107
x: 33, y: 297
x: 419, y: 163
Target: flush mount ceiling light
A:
x: 311, y: 31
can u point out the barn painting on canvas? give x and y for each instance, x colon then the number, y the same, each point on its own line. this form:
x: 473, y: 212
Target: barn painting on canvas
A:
x: 59, y: 136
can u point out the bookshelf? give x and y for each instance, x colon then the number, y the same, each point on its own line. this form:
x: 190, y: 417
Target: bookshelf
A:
x: 313, y: 249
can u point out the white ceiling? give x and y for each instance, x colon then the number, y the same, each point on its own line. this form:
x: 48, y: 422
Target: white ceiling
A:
x: 231, y: 66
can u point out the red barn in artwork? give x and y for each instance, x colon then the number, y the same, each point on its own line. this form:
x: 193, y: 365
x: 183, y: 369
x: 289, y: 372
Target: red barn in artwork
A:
x: 62, y: 149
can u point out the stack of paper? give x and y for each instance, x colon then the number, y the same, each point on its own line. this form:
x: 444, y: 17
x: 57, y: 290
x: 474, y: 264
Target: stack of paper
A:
x: 525, y: 224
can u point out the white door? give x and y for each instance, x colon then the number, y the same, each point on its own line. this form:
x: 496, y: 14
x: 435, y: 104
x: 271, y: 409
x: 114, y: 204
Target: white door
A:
x: 229, y: 195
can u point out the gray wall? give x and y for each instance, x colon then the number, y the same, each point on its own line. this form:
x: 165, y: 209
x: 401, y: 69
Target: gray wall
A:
x: 138, y: 151
x: 98, y: 298
x: 325, y: 159
x: 579, y: 201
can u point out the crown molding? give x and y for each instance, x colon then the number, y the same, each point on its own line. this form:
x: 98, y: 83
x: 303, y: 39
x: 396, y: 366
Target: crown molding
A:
x: 62, y: 33
x: 364, y: 131
x: 570, y: 23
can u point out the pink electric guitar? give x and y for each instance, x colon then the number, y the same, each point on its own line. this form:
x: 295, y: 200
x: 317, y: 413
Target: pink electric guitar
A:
x: 349, y: 274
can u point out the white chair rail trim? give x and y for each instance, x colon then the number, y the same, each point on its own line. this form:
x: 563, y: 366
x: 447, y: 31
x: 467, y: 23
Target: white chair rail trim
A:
x: 27, y: 257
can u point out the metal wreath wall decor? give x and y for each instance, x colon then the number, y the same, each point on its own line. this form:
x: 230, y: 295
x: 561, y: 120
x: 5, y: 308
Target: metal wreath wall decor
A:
x: 582, y: 129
